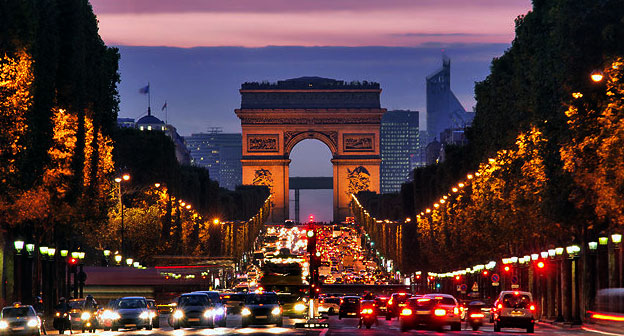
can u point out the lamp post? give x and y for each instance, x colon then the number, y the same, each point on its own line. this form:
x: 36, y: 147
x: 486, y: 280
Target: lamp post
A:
x: 17, y: 278
x: 119, y: 180
x: 616, y: 239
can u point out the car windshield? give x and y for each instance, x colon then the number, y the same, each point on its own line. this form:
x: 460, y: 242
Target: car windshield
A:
x: 194, y: 300
x: 351, y: 301
x: 17, y: 312
x: 400, y: 298
x: 288, y: 298
x: 332, y: 300
x: 516, y: 301
x: 262, y: 299
x: 76, y: 304
x: 214, y: 296
x: 132, y: 304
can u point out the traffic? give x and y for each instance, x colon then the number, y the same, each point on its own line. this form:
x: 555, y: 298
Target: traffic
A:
x: 305, y: 278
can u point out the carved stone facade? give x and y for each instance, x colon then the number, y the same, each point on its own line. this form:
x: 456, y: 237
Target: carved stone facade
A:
x: 352, y: 135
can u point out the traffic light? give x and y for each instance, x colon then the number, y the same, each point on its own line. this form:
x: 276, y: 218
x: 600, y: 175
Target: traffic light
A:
x: 507, y: 268
x: 311, y: 241
x: 73, y: 261
x: 541, y: 265
x: 485, y: 273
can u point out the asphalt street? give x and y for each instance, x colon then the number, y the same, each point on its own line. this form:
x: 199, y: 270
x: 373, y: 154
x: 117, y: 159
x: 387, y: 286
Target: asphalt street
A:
x: 337, y: 327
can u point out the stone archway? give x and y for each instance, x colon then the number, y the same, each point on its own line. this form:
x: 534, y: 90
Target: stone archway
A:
x: 344, y: 116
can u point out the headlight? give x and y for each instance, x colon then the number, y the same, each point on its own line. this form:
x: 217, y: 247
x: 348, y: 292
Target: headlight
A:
x: 85, y: 316
x: 219, y: 311
x: 144, y: 315
x: 152, y: 314
x: 208, y: 313
x: 32, y: 323
x: 299, y: 307
x: 245, y: 312
x: 276, y: 311
x: 178, y: 314
x: 3, y: 325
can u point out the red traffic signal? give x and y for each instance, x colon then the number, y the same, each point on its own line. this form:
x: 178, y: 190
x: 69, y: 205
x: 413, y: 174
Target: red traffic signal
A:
x: 540, y: 265
x: 485, y: 273
x: 457, y: 277
x: 73, y: 261
x: 507, y: 268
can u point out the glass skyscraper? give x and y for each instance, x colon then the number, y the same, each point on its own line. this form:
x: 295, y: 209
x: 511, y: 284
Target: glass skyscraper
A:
x: 220, y: 153
x: 400, y: 148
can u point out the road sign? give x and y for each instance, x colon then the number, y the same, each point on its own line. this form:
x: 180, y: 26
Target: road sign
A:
x: 495, y: 284
x: 514, y: 279
x: 495, y: 277
x: 458, y: 288
x: 463, y: 287
x: 475, y: 287
x: 515, y: 286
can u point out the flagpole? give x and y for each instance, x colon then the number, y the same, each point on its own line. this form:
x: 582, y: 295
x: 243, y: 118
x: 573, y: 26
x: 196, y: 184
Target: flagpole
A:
x: 149, y: 98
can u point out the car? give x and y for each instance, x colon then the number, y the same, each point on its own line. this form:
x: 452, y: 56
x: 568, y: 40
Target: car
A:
x: 293, y: 305
x: 514, y: 309
x: 432, y: 311
x: 19, y: 319
x: 131, y: 311
x: 75, y: 312
x: 107, y: 315
x: 329, y: 305
x: 381, y: 303
x: 261, y: 308
x: 349, y: 307
x: 192, y: 310
x: 395, y: 304
x: 219, y: 314
x: 154, y: 313
x: 232, y: 301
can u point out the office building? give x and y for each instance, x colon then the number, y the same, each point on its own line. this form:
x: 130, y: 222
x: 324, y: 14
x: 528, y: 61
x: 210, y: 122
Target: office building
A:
x: 220, y: 153
x: 443, y: 108
x: 400, y: 147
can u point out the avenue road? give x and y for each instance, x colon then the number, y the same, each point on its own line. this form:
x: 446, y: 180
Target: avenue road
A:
x: 337, y: 327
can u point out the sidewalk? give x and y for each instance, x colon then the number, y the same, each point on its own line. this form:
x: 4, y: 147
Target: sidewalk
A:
x: 603, y: 329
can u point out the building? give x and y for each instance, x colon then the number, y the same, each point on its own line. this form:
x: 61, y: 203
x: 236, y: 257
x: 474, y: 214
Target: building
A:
x: 220, y: 153
x: 151, y: 123
x: 400, y: 148
x: 443, y: 108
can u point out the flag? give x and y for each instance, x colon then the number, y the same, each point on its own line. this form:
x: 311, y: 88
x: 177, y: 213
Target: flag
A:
x: 144, y: 90
x: 164, y: 106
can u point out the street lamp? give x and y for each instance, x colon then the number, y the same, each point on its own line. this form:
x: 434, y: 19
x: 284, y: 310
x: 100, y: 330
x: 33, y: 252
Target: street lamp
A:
x: 118, y: 258
x: 616, y: 238
x: 106, y: 253
x: 30, y: 248
x: 19, y: 246
x: 43, y: 250
x: 603, y: 240
x: 129, y: 261
x: 51, y: 252
x: 124, y: 177
x: 593, y: 245
x: 64, y: 253
x: 597, y: 76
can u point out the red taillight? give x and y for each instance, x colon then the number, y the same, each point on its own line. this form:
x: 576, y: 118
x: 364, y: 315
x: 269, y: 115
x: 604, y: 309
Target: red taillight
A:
x: 500, y: 306
x: 532, y: 307
x: 366, y: 311
x: 477, y: 315
x: 406, y: 312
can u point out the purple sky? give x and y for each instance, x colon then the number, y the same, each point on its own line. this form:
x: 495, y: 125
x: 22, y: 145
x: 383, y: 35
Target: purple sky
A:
x: 254, y: 23
x: 196, y: 53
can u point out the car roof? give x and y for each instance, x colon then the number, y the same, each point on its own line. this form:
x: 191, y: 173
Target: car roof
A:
x: 513, y: 292
x: 194, y: 293
x: 133, y: 298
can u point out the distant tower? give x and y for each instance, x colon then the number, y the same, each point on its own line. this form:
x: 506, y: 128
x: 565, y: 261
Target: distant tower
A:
x: 443, y: 109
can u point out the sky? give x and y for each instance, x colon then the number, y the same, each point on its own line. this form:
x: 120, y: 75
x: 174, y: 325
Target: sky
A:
x: 196, y: 53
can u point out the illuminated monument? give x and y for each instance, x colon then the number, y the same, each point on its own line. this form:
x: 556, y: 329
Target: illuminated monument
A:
x: 344, y: 116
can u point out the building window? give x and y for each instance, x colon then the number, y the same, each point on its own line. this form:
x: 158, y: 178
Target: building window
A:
x: 149, y: 128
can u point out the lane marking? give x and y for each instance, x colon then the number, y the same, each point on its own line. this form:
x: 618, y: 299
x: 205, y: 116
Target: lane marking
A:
x: 599, y: 331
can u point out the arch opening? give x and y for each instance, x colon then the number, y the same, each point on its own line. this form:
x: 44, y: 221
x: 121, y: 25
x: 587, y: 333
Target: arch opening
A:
x: 311, y: 158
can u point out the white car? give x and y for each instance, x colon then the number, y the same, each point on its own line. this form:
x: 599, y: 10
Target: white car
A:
x: 514, y: 309
x: 19, y: 320
x: 329, y: 305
